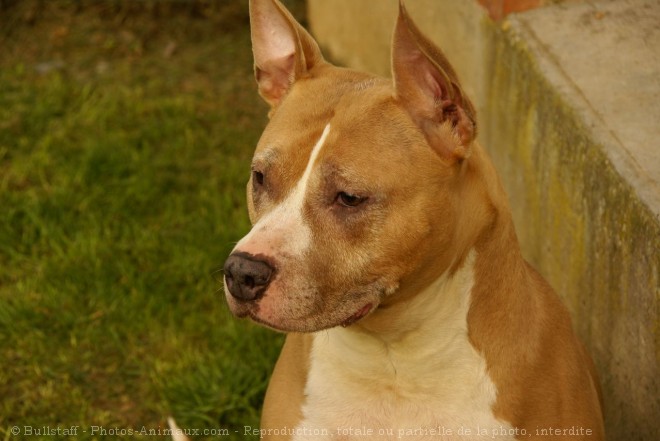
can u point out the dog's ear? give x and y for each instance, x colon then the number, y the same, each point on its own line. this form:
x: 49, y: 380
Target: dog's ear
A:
x: 283, y: 51
x: 428, y: 88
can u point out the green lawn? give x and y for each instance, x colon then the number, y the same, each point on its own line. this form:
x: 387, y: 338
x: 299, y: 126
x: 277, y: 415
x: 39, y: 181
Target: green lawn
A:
x: 126, y: 131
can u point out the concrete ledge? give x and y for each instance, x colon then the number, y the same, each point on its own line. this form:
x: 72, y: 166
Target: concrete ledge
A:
x: 568, y: 100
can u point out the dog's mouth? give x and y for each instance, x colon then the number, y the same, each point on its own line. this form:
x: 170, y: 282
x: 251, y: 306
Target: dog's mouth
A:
x: 359, y: 314
x: 366, y: 309
x: 284, y: 315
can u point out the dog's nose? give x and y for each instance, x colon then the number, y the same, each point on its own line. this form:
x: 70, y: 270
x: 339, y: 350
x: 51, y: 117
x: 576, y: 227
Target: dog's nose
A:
x: 246, y: 276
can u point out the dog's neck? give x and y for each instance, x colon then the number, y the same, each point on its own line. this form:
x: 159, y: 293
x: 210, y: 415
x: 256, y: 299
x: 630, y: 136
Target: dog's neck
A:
x: 420, y: 354
x: 485, y: 241
x: 442, y: 304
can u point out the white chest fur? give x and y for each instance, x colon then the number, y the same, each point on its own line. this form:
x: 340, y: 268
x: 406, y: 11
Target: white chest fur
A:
x: 424, y: 382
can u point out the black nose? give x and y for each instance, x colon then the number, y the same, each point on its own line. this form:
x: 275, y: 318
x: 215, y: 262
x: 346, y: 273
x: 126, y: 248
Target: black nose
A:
x: 246, y: 276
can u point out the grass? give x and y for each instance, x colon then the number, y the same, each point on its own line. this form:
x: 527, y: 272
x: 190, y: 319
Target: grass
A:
x: 126, y: 131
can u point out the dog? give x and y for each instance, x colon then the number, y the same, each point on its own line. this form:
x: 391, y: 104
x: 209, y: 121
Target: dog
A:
x: 383, y: 245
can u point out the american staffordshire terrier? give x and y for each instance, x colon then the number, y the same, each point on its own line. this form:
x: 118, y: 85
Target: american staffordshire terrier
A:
x: 383, y: 244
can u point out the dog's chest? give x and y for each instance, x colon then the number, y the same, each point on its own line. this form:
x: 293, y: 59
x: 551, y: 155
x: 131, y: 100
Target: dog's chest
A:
x: 429, y: 384
x: 397, y: 396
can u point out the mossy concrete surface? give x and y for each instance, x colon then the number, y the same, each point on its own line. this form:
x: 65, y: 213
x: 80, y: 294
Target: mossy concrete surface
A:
x: 567, y: 97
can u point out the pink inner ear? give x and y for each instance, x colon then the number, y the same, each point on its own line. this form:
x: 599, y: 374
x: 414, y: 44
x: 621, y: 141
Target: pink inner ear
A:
x: 283, y: 65
x: 273, y: 48
x: 275, y: 77
x: 433, y: 85
x: 272, y: 35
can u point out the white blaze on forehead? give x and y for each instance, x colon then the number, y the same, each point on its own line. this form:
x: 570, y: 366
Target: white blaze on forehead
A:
x: 299, y: 191
x: 282, y: 230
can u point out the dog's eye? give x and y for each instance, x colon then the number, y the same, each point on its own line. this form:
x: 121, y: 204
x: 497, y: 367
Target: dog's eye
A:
x: 258, y: 177
x: 349, y: 200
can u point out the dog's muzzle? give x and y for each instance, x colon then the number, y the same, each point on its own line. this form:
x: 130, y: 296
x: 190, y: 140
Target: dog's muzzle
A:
x: 247, y: 276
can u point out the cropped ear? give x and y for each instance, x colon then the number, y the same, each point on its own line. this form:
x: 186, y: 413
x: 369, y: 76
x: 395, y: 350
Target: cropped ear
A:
x: 427, y: 86
x: 283, y: 50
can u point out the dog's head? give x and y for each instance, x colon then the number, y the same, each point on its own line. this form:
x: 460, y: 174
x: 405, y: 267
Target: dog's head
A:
x: 356, y: 184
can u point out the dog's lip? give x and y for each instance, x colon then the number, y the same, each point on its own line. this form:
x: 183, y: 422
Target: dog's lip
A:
x: 366, y: 309
x: 255, y: 318
x: 361, y: 313
x: 251, y: 311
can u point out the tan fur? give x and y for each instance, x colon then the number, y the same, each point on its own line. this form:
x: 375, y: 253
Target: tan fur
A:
x: 434, y: 198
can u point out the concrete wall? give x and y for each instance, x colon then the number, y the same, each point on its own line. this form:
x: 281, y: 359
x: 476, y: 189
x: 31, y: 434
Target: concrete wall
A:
x: 586, y: 201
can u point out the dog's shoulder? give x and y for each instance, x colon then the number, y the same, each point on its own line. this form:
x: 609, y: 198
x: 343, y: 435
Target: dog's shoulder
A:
x: 286, y: 390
